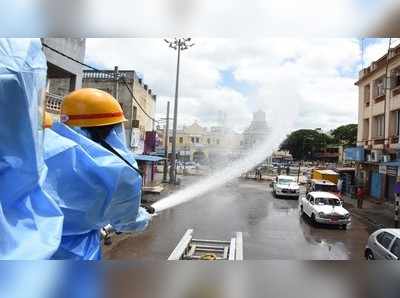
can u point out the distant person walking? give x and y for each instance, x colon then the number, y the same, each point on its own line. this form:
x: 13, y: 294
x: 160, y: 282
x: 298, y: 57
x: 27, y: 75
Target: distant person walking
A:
x: 360, y: 197
x: 340, y: 186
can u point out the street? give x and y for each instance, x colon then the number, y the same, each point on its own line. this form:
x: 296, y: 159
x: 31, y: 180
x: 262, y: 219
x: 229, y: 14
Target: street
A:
x: 272, y: 227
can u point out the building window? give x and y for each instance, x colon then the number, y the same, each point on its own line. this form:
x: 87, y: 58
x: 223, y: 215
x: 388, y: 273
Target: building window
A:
x: 208, y: 141
x: 397, y: 123
x: 170, y: 139
x: 379, y: 87
x: 192, y: 139
x: 366, y: 130
x: 367, y: 95
x: 197, y: 140
x: 379, y: 126
x: 180, y: 140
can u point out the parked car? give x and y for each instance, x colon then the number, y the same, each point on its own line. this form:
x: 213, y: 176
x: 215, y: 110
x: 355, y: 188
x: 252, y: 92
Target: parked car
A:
x: 286, y: 186
x: 383, y: 244
x: 326, y: 208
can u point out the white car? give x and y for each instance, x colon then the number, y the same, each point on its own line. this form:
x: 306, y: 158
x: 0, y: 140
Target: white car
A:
x: 326, y: 208
x: 383, y: 244
x: 286, y: 186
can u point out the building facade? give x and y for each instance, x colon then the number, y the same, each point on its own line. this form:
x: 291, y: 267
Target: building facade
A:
x: 199, y: 144
x: 139, y: 121
x: 379, y: 126
x: 63, y: 74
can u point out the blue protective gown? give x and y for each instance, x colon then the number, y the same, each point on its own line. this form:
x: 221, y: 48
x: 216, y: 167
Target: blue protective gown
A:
x: 93, y: 188
x: 30, y: 220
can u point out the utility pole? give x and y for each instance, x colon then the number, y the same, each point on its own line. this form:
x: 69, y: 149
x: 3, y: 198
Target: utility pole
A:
x: 166, y: 147
x: 116, y: 83
x: 179, y: 44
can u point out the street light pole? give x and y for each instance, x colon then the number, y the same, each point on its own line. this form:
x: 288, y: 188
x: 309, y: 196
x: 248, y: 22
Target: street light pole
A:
x: 166, y: 146
x: 179, y: 44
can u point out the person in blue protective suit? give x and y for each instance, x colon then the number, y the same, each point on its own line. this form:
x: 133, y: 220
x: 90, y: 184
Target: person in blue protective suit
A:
x: 92, y: 175
x: 30, y: 220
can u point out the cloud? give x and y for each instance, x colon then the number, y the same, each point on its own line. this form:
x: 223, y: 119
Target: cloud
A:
x: 309, y: 81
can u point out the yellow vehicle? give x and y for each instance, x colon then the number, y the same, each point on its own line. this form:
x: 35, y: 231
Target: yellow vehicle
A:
x: 328, y: 175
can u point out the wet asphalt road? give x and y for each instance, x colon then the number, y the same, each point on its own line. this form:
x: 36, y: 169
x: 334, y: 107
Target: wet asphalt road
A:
x: 272, y: 228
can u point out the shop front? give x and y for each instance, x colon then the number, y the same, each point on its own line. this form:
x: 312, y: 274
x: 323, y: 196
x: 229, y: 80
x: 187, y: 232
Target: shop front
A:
x: 391, y: 171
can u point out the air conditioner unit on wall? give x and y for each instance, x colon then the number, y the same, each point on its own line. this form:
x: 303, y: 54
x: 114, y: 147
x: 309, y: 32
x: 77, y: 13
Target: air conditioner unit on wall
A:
x: 376, y: 155
x: 386, y: 158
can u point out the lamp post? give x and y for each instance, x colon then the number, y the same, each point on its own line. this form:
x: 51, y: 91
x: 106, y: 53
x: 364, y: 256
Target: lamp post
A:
x: 179, y: 44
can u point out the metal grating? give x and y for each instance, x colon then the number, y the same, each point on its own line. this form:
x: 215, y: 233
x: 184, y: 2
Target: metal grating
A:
x: 53, y: 103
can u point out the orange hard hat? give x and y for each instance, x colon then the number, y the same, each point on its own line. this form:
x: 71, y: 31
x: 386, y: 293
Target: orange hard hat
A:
x: 89, y: 107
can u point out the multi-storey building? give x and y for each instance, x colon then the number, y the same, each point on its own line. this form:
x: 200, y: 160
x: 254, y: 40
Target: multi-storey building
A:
x: 197, y: 143
x: 64, y: 74
x: 379, y: 126
x: 139, y: 109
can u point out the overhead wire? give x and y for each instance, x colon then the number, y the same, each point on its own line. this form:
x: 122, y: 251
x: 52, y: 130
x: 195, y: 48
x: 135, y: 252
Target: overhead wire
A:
x: 98, y: 70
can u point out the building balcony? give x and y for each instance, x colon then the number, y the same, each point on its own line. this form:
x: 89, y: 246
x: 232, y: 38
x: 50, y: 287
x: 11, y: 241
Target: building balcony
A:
x: 395, y: 100
x: 378, y: 108
x: 378, y: 143
x: 379, y: 98
x: 396, y: 91
x: 394, y: 142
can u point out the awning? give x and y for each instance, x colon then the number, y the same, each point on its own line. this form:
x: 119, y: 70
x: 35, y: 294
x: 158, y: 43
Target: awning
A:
x: 151, y: 158
x: 390, y: 163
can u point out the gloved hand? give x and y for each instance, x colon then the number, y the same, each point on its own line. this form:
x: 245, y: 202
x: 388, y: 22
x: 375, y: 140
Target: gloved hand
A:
x: 148, y: 208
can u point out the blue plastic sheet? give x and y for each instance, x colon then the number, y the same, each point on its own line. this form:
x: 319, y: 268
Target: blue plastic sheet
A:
x: 30, y: 221
x: 93, y: 188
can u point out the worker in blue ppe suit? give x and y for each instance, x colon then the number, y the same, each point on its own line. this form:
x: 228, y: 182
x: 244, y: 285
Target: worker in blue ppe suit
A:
x: 92, y: 175
x: 30, y: 220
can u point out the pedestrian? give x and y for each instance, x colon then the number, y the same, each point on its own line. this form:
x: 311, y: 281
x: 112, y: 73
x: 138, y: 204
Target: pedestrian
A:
x: 340, y: 186
x: 360, y: 197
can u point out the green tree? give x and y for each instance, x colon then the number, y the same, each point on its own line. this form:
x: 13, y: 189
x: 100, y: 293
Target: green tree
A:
x: 304, y: 143
x: 346, y: 135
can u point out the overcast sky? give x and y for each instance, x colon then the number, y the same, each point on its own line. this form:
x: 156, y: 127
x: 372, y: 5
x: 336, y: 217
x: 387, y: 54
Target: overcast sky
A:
x: 313, y: 78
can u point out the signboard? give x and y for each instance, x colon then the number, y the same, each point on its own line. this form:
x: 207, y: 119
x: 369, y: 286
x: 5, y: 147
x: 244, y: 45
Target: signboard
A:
x: 184, y: 153
x: 391, y: 171
x: 382, y: 170
x: 354, y: 154
x: 137, y: 141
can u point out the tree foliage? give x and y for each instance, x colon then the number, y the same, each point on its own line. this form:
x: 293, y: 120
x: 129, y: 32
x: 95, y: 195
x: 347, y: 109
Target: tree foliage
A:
x: 304, y: 143
x: 346, y: 134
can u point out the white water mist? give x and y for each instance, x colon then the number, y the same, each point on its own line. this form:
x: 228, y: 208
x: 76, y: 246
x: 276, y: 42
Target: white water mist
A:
x: 284, y: 112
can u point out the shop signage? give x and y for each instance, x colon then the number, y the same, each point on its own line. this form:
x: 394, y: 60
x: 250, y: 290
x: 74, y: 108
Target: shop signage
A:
x: 382, y: 170
x: 391, y: 171
x: 354, y: 154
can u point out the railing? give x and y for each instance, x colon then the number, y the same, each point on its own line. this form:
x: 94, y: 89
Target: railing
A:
x: 379, y: 141
x: 396, y: 91
x: 394, y: 140
x: 108, y: 74
x: 53, y: 103
x: 379, y: 98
